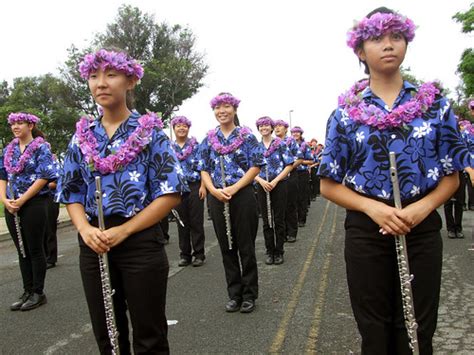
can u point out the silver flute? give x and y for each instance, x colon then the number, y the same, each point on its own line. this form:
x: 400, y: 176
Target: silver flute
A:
x: 16, y: 218
x: 226, y: 207
x: 178, y: 218
x: 107, y: 290
x: 404, y: 268
x: 269, y: 202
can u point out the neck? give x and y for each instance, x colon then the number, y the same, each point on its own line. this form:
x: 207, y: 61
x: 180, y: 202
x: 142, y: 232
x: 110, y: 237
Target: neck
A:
x: 281, y: 136
x: 181, y: 140
x: 115, y: 115
x: 227, y: 128
x: 25, y: 140
x: 386, y: 86
x: 267, y: 138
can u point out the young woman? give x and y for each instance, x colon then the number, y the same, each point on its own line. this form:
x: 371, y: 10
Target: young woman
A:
x: 272, y: 180
x: 375, y: 117
x: 237, y: 150
x: 291, y: 213
x: 191, y: 209
x: 303, y: 174
x: 141, y: 182
x: 26, y: 167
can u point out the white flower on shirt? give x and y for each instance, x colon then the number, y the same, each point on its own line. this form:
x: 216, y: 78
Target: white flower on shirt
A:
x: 165, y: 187
x: 359, y: 188
x: 179, y: 169
x: 33, y: 177
x: 360, y: 136
x: 142, y: 199
x: 344, y: 117
x: 116, y: 143
x: 227, y: 159
x: 447, y: 164
x: 422, y: 131
x: 50, y: 166
x: 74, y: 141
x: 433, y: 174
x: 134, y: 175
x: 384, y: 195
x: 415, y: 190
x: 350, y: 180
x: 334, y: 167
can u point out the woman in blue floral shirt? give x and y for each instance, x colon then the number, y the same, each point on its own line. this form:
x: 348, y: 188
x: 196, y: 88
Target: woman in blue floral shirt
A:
x: 373, y: 118
x: 237, y: 149
x: 27, y: 166
x: 141, y: 182
x: 191, y: 209
x: 273, y: 180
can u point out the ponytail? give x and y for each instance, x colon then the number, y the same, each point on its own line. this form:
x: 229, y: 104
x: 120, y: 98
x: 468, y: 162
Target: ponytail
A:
x: 35, y: 132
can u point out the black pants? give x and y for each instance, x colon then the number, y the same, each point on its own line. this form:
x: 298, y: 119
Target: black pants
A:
x: 139, y: 274
x: 291, y: 213
x: 191, y: 212
x: 33, y: 225
x: 314, y: 183
x: 164, y: 228
x: 456, y: 203
x: 303, y: 193
x: 274, y: 237
x: 51, y: 238
x: 374, y: 286
x: 470, y: 192
x: 242, y: 282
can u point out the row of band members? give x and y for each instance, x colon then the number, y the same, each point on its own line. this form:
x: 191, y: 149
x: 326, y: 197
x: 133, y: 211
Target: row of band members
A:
x: 143, y: 181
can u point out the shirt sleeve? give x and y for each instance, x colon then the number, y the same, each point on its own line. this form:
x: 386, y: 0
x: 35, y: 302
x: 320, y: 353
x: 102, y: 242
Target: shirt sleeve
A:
x: 254, y: 152
x: 203, y: 156
x: 3, y: 172
x: 337, y: 150
x: 45, y: 168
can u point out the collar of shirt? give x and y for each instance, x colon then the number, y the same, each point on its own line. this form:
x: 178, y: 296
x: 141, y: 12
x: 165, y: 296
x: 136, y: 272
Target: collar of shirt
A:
x: 123, y: 131
x: 406, y: 88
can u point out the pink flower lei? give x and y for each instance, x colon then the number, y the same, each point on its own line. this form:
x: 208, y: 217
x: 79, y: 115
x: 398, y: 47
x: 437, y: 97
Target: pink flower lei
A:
x: 22, y: 117
x: 467, y: 126
x: 273, y: 146
x: 359, y: 111
x: 222, y: 149
x: 225, y: 99
x: 136, y: 142
x: 27, y: 154
x: 110, y: 60
x: 189, y: 149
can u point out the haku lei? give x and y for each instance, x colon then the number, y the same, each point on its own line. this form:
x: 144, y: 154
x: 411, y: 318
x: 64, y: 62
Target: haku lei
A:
x: 359, y: 111
x: 467, y: 126
x: 223, y: 149
x: 189, y: 149
x: 273, y: 146
x: 27, y: 154
x: 135, y: 144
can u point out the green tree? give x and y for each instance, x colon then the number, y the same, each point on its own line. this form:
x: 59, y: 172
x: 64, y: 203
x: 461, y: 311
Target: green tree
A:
x: 466, y: 64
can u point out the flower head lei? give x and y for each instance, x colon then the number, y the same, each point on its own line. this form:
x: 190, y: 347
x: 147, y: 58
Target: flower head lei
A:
x: 297, y: 129
x: 281, y: 123
x: 180, y: 120
x: 104, y: 59
x: 359, y: 111
x: 27, y: 154
x: 136, y: 143
x: 273, y: 146
x: 467, y: 126
x: 226, y: 149
x: 225, y: 99
x: 22, y: 117
x: 471, y: 104
x: 379, y: 24
x: 192, y: 142
x: 264, y: 121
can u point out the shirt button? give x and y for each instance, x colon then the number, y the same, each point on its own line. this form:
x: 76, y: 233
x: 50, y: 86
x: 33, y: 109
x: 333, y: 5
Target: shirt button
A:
x: 393, y: 136
x: 109, y: 146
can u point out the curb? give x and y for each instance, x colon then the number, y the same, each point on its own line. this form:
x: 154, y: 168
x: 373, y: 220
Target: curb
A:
x: 5, y: 237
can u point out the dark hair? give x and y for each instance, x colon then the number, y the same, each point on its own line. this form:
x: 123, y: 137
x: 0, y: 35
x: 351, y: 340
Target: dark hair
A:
x: 36, y: 132
x: 236, y: 118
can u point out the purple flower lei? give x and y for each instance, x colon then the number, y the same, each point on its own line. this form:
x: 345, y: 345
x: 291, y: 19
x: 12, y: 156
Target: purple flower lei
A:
x: 222, y: 149
x: 265, y: 121
x: 467, y: 126
x: 370, y: 115
x: 22, y: 117
x: 110, y: 60
x: 297, y: 129
x: 225, y: 99
x: 180, y: 120
x: 273, y: 146
x: 189, y: 149
x: 136, y: 142
x: 471, y: 104
x: 27, y: 154
x: 289, y: 140
x: 379, y: 24
x: 281, y: 123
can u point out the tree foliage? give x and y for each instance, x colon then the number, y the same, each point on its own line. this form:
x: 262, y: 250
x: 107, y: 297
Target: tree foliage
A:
x: 466, y: 64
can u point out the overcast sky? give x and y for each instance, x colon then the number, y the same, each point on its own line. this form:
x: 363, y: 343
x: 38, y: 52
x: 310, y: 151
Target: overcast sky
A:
x: 275, y: 56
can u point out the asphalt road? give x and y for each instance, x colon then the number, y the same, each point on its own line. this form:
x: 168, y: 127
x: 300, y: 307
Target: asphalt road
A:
x: 303, y: 305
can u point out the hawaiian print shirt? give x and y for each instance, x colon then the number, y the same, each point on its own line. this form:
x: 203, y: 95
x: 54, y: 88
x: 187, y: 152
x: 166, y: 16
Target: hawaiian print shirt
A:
x: 191, y: 163
x: 427, y: 148
x: 40, y: 166
x: 293, y: 147
x: 59, y: 172
x: 306, y: 155
x: 277, y: 161
x: 154, y: 172
x: 469, y: 140
x: 236, y: 164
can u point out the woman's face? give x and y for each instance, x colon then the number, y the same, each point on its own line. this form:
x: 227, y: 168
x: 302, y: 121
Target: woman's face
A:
x: 265, y: 130
x: 280, y: 131
x: 109, y: 87
x: 224, y: 113
x: 21, y: 129
x: 296, y: 135
x: 384, y: 54
x: 181, y: 130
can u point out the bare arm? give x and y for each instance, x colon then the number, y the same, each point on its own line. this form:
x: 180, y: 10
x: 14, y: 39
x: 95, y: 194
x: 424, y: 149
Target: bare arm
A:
x: 31, y: 192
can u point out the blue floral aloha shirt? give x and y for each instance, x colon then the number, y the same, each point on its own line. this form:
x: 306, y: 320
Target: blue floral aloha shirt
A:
x: 236, y: 164
x: 191, y: 164
x: 154, y: 172
x: 277, y: 161
x: 426, y: 149
x: 40, y: 166
x: 305, y: 154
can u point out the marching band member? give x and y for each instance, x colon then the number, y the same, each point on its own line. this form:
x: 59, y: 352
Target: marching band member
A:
x: 141, y: 182
x: 25, y: 169
x: 51, y: 238
x: 236, y: 150
x: 191, y: 209
x: 375, y: 117
x: 272, y: 183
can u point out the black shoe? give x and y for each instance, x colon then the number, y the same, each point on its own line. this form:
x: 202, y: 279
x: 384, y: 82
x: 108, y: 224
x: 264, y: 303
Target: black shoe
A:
x: 247, y: 306
x: 278, y: 260
x: 232, y: 306
x: 17, y: 305
x: 451, y: 235
x: 291, y: 239
x: 301, y: 224
x: 184, y: 262
x: 198, y: 262
x: 471, y: 208
x: 460, y: 235
x: 34, y: 301
x: 166, y: 241
x: 50, y: 265
x: 269, y: 260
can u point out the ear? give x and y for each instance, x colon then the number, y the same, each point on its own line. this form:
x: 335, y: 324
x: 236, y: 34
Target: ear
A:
x: 132, y: 82
x: 361, y: 54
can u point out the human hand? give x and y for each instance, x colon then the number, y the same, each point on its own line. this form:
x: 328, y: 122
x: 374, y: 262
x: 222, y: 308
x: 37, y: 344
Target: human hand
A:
x: 95, y: 239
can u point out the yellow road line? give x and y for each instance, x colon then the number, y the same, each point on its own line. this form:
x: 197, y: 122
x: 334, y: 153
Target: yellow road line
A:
x: 295, y: 295
x: 320, y: 295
